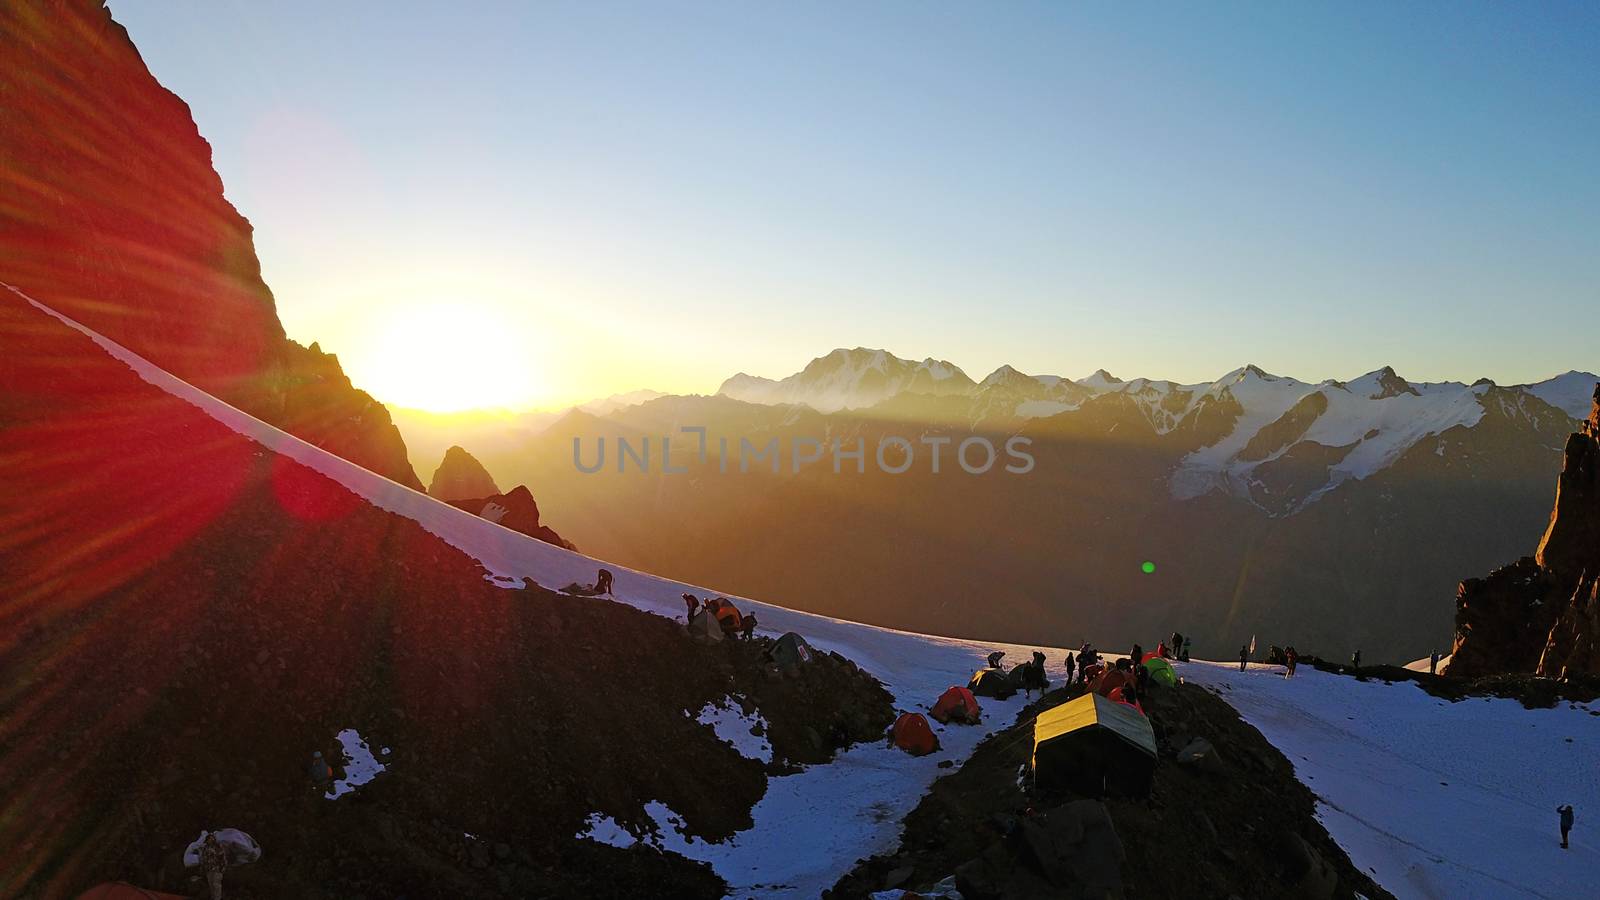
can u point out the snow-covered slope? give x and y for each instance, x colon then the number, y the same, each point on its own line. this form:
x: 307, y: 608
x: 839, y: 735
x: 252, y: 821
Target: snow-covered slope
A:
x: 1571, y: 392
x: 1435, y: 799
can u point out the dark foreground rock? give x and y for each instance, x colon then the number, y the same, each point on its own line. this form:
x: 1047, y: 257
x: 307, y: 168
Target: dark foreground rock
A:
x: 1229, y: 819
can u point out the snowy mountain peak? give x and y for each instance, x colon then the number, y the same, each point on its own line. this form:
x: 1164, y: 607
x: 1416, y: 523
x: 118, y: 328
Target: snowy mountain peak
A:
x: 852, y: 379
x: 1006, y: 376
x: 1101, y: 380
x: 1382, y: 384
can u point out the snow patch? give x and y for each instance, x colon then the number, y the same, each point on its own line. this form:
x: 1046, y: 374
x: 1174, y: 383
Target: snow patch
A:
x: 747, y: 732
x: 360, y: 766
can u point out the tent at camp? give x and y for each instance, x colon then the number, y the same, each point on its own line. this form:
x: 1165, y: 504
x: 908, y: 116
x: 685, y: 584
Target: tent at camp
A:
x: 991, y: 683
x: 957, y: 705
x: 121, y: 890
x: 704, y: 627
x: 727, y: 614
x: 791, y: 651
x: 1092, y: 744
x: 913, y: 734
x: 1111, y: 679
x: 1161, y: 672
x: 241, y: 848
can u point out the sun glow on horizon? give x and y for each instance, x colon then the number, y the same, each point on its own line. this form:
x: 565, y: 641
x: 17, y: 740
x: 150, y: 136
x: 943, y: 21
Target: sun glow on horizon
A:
x: 445, y: 357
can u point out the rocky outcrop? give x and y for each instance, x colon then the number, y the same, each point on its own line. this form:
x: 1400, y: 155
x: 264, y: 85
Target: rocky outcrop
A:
x: 1542, y: 613
x: 516, y: 510
x: 461, y: 477
x: 115, y: 217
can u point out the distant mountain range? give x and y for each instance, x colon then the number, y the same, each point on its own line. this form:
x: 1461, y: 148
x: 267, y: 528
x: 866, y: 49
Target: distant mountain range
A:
x: 1281, y: 427
x: 1333, y: 515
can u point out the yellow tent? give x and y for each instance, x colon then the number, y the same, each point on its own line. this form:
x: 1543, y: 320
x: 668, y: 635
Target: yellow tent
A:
x: 1093, y: 743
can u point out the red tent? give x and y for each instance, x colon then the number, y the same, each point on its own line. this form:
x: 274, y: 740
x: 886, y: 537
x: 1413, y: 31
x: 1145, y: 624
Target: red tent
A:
x: 913, y: 734
x: 122, y: 890
x: 957, y: 704
x: 1117, y: 695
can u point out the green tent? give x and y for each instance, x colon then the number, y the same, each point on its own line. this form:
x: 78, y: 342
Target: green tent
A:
x: 1161, y: 671
x: 1093, y: 744
x: 790, y: 651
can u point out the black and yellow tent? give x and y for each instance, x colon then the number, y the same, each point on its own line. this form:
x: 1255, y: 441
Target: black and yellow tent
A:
x: 1091, y: 745
x: 991, y: 683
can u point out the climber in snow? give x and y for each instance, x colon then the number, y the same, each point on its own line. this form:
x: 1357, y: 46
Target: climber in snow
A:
x: 602, y: 582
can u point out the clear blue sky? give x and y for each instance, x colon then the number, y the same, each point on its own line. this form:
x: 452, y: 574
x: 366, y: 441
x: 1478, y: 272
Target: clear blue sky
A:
x: 1168, y: 191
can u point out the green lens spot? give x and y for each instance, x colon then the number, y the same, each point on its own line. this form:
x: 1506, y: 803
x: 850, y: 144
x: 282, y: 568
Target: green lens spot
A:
x: 1148, y: 567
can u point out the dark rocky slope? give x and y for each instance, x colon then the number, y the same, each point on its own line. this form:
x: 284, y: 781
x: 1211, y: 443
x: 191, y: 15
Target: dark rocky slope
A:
x: 1541, y: 613
x: 188, y: 616
x: 114, y: 216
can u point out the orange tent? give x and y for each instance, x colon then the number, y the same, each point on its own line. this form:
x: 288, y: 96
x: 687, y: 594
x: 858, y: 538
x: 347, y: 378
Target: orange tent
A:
x: 913, y: 734
x: 726, y: 613
x: 957, y: 704
x: 122, y: 890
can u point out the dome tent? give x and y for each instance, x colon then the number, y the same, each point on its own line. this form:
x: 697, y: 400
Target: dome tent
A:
x: 991, y: 683
x: 1091, y: 744
x: 704, y: 628
x: 1161, y: 672
x: 791, y: 651
x: 957, y: 705
x: 913, y: 734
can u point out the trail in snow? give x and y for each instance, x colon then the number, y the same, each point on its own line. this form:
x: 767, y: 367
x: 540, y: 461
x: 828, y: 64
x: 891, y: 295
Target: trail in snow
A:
x: 1435, y: 799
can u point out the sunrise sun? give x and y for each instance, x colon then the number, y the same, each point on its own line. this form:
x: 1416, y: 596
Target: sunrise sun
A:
x: 444, y: 357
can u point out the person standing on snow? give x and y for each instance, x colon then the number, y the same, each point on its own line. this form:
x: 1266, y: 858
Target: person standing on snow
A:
x: 1355, y: 661
x: 1244, y: 656
x: 1293, y: 660
x: 693, y: 603
x: 212, y: 861
x: 1566, y: 822
x: 1072, y: 664
x: 1184, y: 656
x: 1433, y: 663
x: 747, y: 626
x: 602, y: 583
